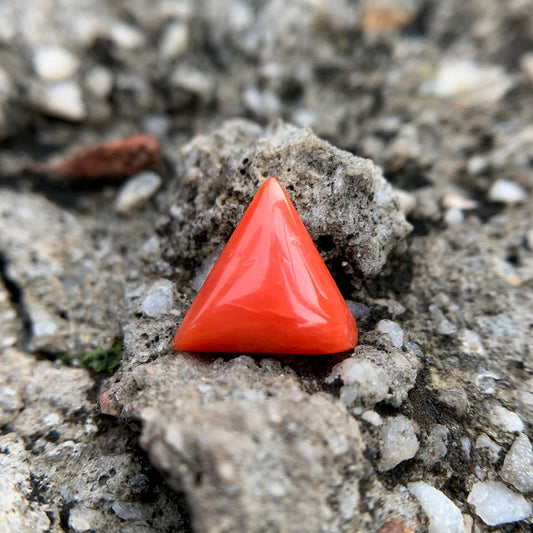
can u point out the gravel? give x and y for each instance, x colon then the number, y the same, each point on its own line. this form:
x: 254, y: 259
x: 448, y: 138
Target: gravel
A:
x: 136, y: 192
x: 495, y: 504
x: 507, y: 192
x: 159, y: 299
x: 517, y: 468
x: 444, y: 516
x: 435, y: 97
x: 399, y: 442
x: 54, y: 63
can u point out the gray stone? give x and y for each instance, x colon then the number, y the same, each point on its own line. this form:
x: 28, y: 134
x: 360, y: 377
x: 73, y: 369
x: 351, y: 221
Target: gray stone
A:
x: 81, y: 519
x: 159, y: 299
x: 495, y: 504
x: 517, y: 467
x: 506, y: 191
x: 213, y: 427
x: 70, y: 286
x: 63, y: 99
x: 136, y: 192
x: 344, y: 201
x: 435, y: 448
x: 399, y: 442
x: 54, y: 63
x: 444, y: 516
x: 371, y: 376
x: 393, y: 330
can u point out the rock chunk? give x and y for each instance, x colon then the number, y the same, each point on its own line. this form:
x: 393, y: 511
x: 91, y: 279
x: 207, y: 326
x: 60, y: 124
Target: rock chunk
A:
x: 214, y: 427
x: 517, y: 467
x: 444, y: 516
x: 399, y: 442
x: 496, y: 504
x: 343, y: 200
x: 371, y: 376
x: 70, y: 303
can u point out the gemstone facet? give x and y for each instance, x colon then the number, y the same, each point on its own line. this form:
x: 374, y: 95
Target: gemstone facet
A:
x: 270, y: 291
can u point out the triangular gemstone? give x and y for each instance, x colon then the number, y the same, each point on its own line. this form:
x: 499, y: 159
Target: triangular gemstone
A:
x: 269, y: 291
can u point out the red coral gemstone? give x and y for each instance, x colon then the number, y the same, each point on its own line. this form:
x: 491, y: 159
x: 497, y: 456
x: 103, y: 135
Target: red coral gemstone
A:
x: 270, y: 291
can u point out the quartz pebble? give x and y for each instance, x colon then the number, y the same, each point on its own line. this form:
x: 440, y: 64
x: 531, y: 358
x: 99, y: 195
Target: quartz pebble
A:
x: 457, y: 201
x: 486, y: 383
x: 126, y: 36
x: 81, y: 519
x: 453, y: 217
x: 468, y: 82
x: 393, y: 330
x: 470, y: 342
x: 54, y: 63
x: 399, y: 442
x: 130, y: 511
x: 175, y: 40
x: 99, y: 81
x: 496, y: 504
x: 444, y: 516
x: 372, y: 376
x: 63, y: 100
x: 136, y: 192
x: 506, y: 420
x: 506, y: 191
x: 517, y: 468
x: 159, y: 300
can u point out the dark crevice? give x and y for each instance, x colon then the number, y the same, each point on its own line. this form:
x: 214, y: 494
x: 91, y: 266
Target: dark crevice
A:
x: 17, y: 300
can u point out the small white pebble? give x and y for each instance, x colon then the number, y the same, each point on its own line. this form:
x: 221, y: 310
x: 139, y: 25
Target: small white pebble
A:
x: 470, y: 342
x: 517, y: 468
x: 372, y: 418
x: 393, y: 330
x: 496, y: 504
x: 456, y: 201
x: 469, y: 82
x: 82, y: 519
x: 99, y: 81
x: 506, y: 191
x: 54, y: 63
x: 453, y: 217
x: 444, y: 516
x: 193, y: 80
x: 159, y: 299
x: 136, y: 192
x: 175, y: 40
x: 63, y: 100
x: 477, y: 164
x: 399, y: 442
x: 486, y: 383
x: 506, y: 420
x: 126, y: 36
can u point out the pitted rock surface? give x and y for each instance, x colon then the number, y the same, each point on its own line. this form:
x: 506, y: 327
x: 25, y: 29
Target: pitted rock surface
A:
x: 343, y: 200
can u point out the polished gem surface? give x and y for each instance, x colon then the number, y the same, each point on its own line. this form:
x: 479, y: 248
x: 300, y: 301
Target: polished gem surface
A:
x: 269, y: 291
